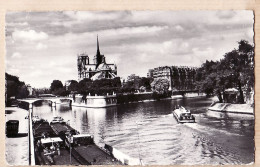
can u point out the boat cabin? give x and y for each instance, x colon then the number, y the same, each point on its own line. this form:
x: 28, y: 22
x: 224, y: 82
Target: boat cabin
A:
x: 81, y: 139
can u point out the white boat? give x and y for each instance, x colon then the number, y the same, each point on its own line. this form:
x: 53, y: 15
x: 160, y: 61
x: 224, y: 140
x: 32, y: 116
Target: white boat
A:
x: 183, y: 115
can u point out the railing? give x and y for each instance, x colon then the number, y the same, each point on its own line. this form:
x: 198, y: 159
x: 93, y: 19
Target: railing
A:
x: 31, y: 141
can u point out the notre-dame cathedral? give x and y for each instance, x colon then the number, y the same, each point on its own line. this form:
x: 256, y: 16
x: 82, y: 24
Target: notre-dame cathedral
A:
x: 98, y: 70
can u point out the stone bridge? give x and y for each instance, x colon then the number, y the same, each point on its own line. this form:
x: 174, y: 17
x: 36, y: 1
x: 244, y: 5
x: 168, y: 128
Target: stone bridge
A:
x: 53, y: 100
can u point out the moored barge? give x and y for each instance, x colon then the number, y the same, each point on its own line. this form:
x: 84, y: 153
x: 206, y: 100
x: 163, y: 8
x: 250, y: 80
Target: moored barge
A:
x: 58, y: 143
x: 50, y: 148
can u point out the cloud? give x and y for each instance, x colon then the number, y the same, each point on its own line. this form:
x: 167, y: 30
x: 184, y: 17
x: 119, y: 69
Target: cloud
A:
x: 89, y: 16
x: 135, y: 40
x: 15, y: 24
x: 16, y: 55
x: 30, y: 35
x: 41, y: 46
x: 203, y: 54
x: 179, y: 28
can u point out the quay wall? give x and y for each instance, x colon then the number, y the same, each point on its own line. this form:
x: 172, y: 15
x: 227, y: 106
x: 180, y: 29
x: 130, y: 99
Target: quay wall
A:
x: 112, y: 100
x: 232, y: 108
x: 143, y: 97
x: 94, y: 101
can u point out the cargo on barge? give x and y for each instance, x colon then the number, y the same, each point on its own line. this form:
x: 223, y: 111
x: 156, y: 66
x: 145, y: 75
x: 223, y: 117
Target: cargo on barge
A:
x: 82, y: 146
x: 49, y: 147
x: 58, y: 143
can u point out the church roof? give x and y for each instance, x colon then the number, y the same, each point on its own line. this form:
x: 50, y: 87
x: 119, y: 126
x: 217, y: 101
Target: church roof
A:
x: 103, y: 67
x: 101, y: 75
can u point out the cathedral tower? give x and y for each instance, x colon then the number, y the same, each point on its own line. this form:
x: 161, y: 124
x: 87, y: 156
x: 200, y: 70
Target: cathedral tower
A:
x: 98, y: 58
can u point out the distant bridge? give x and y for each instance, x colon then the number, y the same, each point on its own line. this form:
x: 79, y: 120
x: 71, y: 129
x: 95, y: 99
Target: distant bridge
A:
x: 53, y: 100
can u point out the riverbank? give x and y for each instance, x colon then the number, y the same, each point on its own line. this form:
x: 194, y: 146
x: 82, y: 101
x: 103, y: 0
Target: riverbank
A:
x: 113, y: 100
x: 232, y: 108
x: 149, y: 97
x: 17, y: 148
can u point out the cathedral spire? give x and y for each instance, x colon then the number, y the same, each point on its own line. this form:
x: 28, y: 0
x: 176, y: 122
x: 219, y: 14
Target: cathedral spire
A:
x: 98, y: 52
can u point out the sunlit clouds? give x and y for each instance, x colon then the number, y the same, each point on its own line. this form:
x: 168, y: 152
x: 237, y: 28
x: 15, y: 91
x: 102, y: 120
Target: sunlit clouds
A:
x: 43, y: 46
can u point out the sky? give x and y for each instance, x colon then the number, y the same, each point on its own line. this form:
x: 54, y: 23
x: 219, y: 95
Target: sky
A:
x: 43, y: 46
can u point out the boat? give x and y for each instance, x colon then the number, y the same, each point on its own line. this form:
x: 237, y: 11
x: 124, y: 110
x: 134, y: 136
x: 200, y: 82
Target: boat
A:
x: 49, y: 148
x: 83, y: 147
x: 58, y: 143
x: 183, y: 115
x: 57, y: 119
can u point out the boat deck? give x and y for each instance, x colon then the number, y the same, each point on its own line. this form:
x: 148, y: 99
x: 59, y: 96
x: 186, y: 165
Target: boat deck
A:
x: 61, y: 127
x: 89, y: 154
x: 42, y: 127
x: 62, y: 159
x: 95, y: 156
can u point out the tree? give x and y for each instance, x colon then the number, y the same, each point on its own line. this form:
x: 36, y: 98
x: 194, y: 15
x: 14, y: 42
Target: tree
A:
x: 15, y: 87
x: 146, y: 82
x: 60, y: 92
x: 240, y: 63
x: 56, y: 84
x: 42, y: 91
x: 236, y: 69
x: 73, y: 85
x: 206, y: 78
x: 84, y: 85
x: 22, y: 92
x: 12, y: 88
x: 160, y: 85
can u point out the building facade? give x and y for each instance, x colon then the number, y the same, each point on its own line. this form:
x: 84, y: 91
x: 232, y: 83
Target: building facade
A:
x: 183, y: 77
x: 180, y: 77
x: 99, y: 69
x: 163, y: 72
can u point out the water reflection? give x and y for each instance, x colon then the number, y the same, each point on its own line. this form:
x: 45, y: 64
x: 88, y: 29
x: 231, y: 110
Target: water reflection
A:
x: 213, y: 139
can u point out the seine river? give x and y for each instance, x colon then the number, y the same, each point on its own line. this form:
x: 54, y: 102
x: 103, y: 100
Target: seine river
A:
x: 214, y: 139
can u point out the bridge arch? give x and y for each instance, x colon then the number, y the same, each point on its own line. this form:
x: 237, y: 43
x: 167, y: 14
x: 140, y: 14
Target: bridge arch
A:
x: 53, y: 101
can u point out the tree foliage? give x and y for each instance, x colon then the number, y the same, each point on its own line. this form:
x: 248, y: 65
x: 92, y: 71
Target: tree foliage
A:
x: 73, y: 86
x: 160, y: 85
x: 15, y: 87
x: 137, y: 83
x: 236, y: 69
x: 56, y: 84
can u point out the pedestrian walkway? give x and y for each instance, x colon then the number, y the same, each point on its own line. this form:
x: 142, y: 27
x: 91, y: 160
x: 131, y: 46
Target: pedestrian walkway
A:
x: 17, y: 148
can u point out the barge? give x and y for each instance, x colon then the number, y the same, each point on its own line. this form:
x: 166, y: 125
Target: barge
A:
x: 50, y: 148
x: 183, y: 115
x: 58, y: 143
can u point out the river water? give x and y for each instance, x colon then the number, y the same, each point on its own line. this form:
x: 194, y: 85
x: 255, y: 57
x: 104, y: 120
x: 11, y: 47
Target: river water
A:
x: 149, y: 131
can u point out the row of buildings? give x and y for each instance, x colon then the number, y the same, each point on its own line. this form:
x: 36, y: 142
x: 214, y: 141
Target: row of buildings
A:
x: 180, y: 77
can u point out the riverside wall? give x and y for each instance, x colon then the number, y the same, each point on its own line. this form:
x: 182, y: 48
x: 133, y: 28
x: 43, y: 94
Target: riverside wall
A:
x: 233, y: 108
x: 149, y: 96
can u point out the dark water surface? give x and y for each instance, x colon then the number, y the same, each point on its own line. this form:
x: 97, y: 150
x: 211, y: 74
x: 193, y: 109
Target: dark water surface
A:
x: 215, y: 138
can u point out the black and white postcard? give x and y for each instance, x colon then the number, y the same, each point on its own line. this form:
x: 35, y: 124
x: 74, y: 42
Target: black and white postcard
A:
x: 129, y: 87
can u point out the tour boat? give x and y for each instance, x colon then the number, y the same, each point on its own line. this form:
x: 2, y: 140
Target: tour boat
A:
x: 183, y: 115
